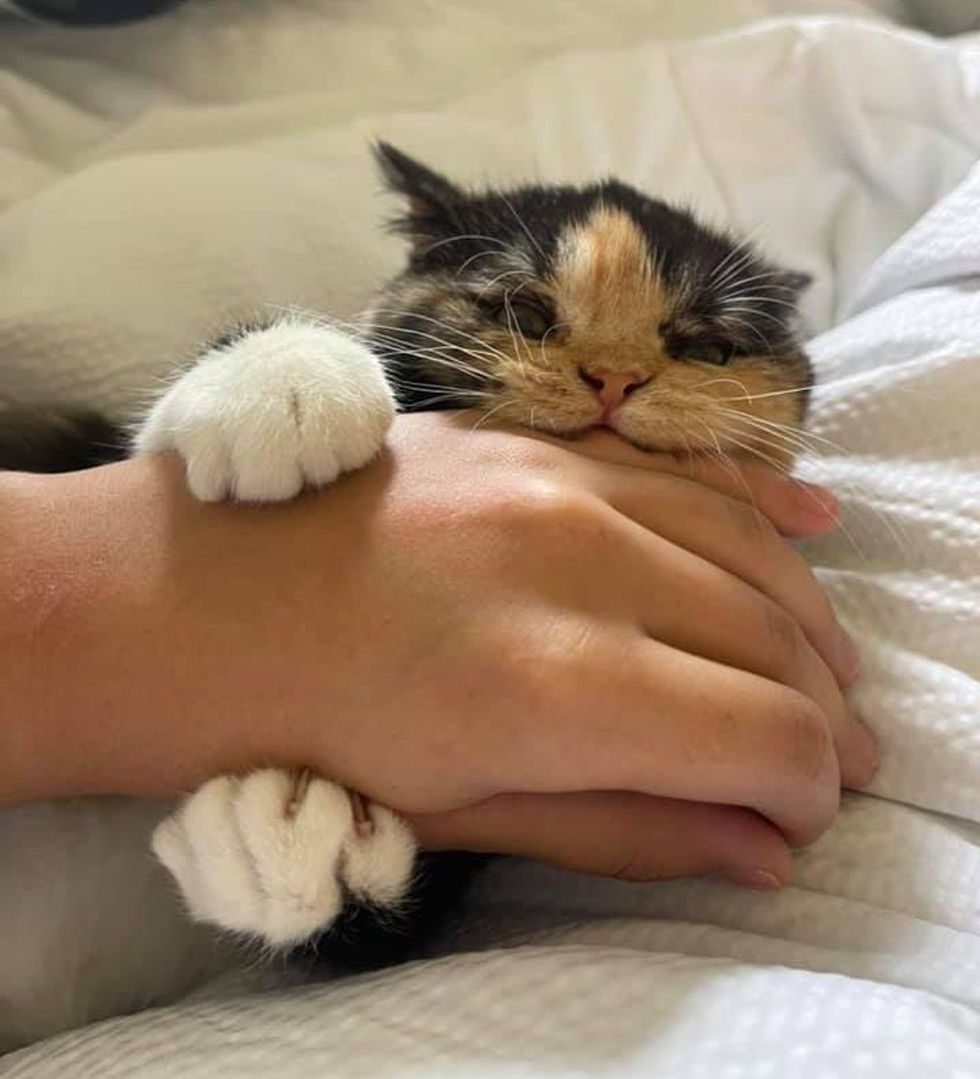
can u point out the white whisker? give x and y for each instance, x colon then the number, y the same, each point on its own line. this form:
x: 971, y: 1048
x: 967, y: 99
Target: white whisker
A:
x: 800, y: 435
x: 730, y: 466
x: 473, y: 258
x: 739, y: 253
x: 464, y: 236
x: 486, y: 416
x: 516, y: 336
x: 751, y: 297
x: 507, y: 273
x: 720, y: 381
x: 442, y: 325
x: 452, y: 363
x: 758, y: 396
x: 734, y: 320
x: 754, y: 311
x: 520, y: 221
x: 766, y: 275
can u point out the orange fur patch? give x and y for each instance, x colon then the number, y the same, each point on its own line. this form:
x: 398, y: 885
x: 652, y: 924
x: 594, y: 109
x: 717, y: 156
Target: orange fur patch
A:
x: 607, y: 288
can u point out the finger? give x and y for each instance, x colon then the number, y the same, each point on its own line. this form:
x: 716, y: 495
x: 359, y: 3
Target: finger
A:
x: 737, y: 625
x: 730, y: 514
x: 618, y: 834
x: 739, y: 539
x: 795, y: 508
x: 627, y: 713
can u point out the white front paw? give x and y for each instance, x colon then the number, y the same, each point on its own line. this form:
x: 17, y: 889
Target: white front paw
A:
x: 278, y: 408
x: 277, y: 860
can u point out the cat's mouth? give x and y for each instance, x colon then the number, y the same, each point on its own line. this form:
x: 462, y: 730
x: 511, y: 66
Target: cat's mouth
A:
x: 681, y: 432
x: 608, y: 424
x: 611, y: 424
x: 681, y: 445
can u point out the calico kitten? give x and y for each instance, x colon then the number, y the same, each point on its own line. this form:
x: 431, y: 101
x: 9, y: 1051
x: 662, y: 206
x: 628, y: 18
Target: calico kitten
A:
x: 569, y: 307
x: 561, y: 308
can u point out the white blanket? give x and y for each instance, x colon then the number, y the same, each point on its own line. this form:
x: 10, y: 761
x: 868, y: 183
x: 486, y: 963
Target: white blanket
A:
x: 850, y: 147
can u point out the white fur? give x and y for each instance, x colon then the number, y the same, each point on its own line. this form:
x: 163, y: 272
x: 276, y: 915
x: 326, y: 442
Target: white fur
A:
x: 244, y: 862
x: 295, y: 404
x: 91, y: 926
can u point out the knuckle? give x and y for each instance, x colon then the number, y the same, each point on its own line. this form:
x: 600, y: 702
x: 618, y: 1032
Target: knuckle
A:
x: 526, y: 455
x: 822, y: 812
x: 786, y: 640
x: 823, y: 609
x: 750, y: 524
x: 809, y: 745
x: 553, y: 511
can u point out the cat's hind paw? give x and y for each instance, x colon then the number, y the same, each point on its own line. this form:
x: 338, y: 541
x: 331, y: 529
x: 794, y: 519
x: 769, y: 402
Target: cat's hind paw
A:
x: 278, y: 858
x: 276, y: 409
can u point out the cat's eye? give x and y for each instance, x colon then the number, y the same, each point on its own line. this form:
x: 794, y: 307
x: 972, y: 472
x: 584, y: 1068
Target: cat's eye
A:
x: 709, y: 352
x: 530, y: 319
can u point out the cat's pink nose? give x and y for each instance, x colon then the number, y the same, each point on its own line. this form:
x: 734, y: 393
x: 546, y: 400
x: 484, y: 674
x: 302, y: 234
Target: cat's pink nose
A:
x: 613, y: 387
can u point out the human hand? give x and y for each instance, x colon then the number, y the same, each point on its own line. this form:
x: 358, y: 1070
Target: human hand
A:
x: 626, y: 835
x: 485, y: 631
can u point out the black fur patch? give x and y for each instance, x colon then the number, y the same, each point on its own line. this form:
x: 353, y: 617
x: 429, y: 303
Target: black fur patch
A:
x: 365, y: 937
x: 50, y: 440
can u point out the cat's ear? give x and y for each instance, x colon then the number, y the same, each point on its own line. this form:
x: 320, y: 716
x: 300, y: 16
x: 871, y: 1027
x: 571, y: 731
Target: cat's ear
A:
x: 433, y: 202
x: 793, y: 283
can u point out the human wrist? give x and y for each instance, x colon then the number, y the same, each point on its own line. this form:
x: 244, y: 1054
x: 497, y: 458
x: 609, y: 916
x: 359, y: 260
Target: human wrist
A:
x: 32, y: 594
x: 95, y: 640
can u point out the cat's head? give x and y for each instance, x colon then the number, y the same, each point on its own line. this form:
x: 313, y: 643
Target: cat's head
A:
x: 565, y: 308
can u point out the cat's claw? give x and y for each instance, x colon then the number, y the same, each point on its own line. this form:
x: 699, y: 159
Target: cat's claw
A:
x: 276, y: 857
x: 292, y: 405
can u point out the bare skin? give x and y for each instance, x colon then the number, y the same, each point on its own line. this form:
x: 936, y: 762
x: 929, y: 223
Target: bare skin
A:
x: 586, y: 654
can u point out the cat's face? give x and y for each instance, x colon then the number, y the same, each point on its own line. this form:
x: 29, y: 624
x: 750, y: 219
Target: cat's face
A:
x: 569, y: 308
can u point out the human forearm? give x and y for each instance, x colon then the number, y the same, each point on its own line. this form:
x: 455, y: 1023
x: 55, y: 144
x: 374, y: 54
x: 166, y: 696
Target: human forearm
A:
x: 111, y: 642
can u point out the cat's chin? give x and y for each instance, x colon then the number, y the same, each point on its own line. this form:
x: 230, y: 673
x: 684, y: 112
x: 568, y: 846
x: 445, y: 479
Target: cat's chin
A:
x: 663, y: 443
x: 605, y: 432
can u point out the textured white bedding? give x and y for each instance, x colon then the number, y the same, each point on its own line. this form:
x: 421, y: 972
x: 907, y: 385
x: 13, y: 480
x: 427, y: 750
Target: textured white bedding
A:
x: 206, y: 169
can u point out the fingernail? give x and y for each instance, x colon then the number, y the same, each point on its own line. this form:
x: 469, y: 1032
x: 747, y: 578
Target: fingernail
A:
x: 761, y: 880
x: 815, y: 500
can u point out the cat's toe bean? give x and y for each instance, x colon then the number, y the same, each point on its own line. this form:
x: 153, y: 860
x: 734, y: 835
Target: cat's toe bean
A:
x: 202, y: 847
x: 342, y: 408
x: 207, y: 461
x: 377, y: 867
x: 295, y: 852
x: 247, y: 859
x: 305, y: 403
x: 263, y: 473
x: 276, y: 857
x: 279, y: 408
x: 320, y: 465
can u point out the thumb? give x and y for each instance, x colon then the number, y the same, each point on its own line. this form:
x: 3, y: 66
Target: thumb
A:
x: 617, y: 834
